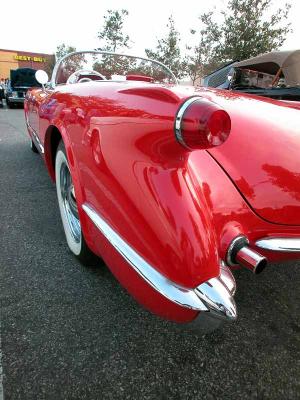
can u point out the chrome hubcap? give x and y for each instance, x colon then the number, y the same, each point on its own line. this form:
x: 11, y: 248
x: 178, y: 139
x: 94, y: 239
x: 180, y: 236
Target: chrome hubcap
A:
x: 69, y: 202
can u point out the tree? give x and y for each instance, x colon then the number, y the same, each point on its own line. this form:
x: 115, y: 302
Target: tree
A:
x: 112, y: 35
x: 71, y: 64
x: 112, y: 39
x: 201, y: 57
x: 247, y: 29
x: 62, y: 50
x: 50, y: 63
x: 168, y: 51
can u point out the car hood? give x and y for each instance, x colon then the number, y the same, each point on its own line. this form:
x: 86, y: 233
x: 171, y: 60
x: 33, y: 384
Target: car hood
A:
x: 23, y: 78
x: 262, y: 154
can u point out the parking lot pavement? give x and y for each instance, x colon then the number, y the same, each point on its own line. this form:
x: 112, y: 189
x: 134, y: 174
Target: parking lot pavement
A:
x: 70, y: 332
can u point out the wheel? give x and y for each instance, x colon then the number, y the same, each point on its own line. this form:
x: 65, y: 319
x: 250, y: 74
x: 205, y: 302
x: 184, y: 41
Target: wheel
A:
x: 69, y: 211
x: 9, y: 104
x: 33, y: 147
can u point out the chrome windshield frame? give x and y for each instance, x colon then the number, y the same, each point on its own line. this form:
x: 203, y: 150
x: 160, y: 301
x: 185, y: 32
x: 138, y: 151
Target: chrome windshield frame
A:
x: 59, y: 62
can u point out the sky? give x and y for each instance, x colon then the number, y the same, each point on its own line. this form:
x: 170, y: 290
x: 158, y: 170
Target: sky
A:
x: 36, y: 27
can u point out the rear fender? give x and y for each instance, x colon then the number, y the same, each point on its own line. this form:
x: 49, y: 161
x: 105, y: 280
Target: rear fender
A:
x: 163, y: 219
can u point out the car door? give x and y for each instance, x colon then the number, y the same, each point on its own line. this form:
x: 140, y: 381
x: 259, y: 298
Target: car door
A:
x: 36, y: 99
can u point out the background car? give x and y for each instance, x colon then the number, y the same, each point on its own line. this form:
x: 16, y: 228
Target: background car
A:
x: 21, y: 80
x: 275, y: 75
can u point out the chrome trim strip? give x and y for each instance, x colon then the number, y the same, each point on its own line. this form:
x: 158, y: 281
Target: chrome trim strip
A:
x: 36, y: 138
x: 179, y: 295
x: 55, y: 69
x: 211, y: 296
x: 179, y: 116
x: 16, y: 99
x: 227, y: 278
x: 279, y: 244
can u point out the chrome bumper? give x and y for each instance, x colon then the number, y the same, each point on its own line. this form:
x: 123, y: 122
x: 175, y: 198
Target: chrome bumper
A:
x: 214, y: 297
x: 16, y: 99
x: 291, y: 245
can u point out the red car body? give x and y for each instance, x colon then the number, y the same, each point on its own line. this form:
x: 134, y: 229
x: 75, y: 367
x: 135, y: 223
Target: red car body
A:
x: 179, y: 210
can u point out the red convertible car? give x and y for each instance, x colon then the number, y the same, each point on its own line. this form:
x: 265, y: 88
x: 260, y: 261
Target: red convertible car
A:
x: 173, y: 187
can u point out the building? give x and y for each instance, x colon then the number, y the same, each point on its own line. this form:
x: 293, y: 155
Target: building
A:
x: 13, y: 59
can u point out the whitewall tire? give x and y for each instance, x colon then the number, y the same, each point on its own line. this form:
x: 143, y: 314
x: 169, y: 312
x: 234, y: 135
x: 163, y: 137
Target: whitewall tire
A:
x: 68, y: 208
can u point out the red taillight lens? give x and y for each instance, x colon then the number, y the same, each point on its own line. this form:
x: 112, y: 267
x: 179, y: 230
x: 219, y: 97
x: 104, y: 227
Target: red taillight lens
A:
x: 201, y: 124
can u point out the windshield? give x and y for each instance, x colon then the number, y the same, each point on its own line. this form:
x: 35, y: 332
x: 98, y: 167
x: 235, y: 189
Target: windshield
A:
x: 99, y: 66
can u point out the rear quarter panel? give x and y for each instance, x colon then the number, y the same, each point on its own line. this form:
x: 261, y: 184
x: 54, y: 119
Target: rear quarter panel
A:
x: 134, y: 173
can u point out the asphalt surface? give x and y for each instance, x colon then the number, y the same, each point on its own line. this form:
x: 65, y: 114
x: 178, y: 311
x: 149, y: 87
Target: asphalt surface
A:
x: 71, y: 332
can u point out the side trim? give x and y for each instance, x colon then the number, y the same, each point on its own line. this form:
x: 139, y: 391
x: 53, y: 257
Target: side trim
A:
x: 211, y: 296
x: 182, y: 296
x: 280, y: 244
x: 36, y: 139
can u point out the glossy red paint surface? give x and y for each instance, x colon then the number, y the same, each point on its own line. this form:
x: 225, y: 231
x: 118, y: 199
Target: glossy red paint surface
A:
x: 262, y: 156
x: 178, y: 209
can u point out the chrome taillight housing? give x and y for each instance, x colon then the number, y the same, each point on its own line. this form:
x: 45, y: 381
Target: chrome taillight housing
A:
x: 201, y: 124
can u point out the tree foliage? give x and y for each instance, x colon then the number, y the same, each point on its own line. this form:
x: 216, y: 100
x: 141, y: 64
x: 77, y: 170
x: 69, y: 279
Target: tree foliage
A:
x: 50, y: 63
x: 111, y: 35
x: 63, y: 49
x: 245, y: 29
x: 60, y: 52
x: 112, y: 38
x: 71, y: 64
x: 167, y: 50
x: 248, y: 28
x: 201, y: 57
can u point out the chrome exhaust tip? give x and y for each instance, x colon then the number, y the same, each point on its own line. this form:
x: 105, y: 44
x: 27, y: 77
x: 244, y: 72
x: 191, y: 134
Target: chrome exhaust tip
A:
x: 250, y: 259
x: 239, y: 253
